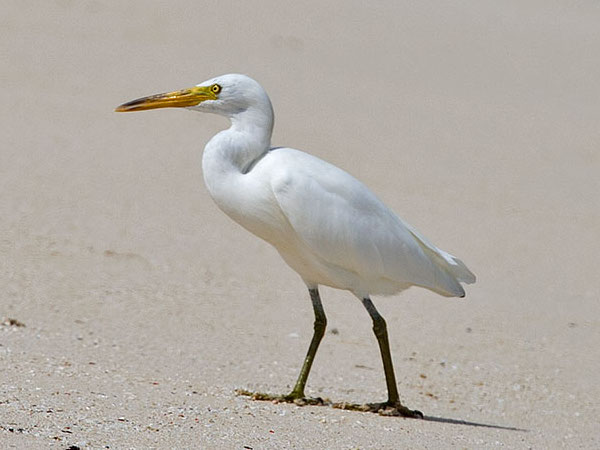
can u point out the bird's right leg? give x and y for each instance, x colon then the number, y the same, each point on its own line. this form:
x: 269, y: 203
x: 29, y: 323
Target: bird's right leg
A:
x: 393, y: 404
x: 319, y: 331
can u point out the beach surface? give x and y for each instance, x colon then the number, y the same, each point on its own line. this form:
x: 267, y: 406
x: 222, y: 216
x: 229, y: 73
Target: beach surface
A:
x: 131, y: 308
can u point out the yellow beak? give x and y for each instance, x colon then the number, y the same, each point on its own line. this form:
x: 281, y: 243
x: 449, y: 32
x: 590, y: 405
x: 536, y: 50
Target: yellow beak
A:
x: 177, y: 99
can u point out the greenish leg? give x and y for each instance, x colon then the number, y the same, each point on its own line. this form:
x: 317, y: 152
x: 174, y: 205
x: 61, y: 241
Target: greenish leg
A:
x: 380, y: 329
x: 320, y: 324
x: 392, y: 407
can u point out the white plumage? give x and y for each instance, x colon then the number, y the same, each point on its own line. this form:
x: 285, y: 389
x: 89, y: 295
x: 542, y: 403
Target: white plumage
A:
x: 327, y: 226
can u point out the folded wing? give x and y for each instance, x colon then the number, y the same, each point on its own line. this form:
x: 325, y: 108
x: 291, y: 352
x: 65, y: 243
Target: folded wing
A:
x: 344, y: 224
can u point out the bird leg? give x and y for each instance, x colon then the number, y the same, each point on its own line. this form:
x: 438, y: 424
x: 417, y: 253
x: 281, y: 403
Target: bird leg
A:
x: 319, y: 327
x: 393, y: 406
x: 297, y: 394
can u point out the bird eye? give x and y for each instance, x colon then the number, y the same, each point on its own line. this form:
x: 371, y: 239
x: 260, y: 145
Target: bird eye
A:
x: 215, y: 88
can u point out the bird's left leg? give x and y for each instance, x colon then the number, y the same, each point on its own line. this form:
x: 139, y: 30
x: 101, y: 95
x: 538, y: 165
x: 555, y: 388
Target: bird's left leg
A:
x: 297, y: 394
x: 319, y: 331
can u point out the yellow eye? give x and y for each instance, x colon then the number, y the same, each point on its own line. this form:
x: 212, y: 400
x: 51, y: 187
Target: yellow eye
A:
x: 215, y: 88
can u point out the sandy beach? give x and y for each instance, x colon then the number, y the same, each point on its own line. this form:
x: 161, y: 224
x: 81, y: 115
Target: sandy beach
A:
x: 132, y: 308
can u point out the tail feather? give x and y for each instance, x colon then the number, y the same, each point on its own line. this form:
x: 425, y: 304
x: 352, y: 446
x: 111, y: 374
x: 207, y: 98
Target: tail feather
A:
x: 453, y: 269
x: 457, y: 268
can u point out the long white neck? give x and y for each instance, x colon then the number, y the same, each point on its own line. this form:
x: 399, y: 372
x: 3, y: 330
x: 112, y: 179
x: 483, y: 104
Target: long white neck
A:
x: 233, y: 152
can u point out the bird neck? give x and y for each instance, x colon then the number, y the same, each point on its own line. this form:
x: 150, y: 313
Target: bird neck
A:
x: 250, y: 136
x: 234, y: 152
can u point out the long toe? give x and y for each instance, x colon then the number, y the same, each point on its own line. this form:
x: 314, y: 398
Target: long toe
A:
x: 293, y: 397
x: 398, y: 409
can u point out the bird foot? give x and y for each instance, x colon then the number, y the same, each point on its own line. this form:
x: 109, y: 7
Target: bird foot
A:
x: 383, y: 409
x: 299, y: 400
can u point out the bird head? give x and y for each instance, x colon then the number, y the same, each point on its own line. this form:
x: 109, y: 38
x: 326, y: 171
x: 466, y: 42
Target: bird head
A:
x: 226, y: 95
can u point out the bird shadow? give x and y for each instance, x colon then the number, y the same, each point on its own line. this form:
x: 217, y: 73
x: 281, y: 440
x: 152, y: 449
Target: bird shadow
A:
x: 472, y: 424
x: 368, y: 407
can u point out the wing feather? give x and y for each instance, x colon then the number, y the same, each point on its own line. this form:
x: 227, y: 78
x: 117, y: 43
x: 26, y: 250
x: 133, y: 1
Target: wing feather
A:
x: 345, y: 225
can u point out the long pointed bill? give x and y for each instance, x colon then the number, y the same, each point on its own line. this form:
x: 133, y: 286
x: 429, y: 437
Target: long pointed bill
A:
x: 176, y: 99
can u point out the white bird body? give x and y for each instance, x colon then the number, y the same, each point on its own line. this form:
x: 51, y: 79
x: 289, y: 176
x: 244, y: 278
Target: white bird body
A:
x: 327, y: 226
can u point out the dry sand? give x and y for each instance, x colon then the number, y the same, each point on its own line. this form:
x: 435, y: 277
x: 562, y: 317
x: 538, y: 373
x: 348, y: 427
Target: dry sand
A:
x: 145, y: 307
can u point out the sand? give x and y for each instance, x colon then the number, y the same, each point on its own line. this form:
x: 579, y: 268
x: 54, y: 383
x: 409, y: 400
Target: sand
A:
x: 132, y: 308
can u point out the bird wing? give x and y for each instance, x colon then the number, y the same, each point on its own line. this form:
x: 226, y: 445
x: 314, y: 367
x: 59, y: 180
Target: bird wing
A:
x: 345, y: 225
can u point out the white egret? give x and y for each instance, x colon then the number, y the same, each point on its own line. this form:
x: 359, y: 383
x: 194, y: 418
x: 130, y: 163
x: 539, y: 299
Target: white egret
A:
x: 325, y: 224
